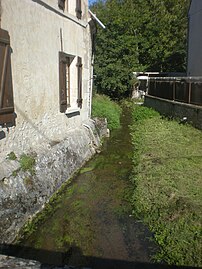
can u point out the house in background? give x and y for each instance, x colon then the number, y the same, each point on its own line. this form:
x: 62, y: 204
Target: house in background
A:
x: 45, y: 72
x: 194, y: 67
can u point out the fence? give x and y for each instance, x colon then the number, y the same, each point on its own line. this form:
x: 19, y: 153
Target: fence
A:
x: 181, y: 89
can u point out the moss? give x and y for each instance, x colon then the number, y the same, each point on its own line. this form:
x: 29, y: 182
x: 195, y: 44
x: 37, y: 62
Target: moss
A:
x: 86, y: 169
x: 15, y: 173
x: 27, y: 163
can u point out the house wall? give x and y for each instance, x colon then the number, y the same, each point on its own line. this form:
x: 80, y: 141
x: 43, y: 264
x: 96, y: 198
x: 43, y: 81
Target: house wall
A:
x: 38, y: 31
x: 195, y: 39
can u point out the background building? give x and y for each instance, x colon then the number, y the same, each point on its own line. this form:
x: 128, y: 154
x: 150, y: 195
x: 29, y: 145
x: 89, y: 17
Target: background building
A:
x: 195, y: 39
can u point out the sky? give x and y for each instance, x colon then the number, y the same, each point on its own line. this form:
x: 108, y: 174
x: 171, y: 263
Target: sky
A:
x: 91, y: 1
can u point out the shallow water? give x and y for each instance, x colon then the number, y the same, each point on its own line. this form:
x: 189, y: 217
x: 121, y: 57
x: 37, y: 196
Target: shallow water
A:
x: 92, y: 217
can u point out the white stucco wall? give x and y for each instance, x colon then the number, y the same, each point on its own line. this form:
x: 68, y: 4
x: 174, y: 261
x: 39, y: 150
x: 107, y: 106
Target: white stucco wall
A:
x: 195, y: 39
x: 35, y: 37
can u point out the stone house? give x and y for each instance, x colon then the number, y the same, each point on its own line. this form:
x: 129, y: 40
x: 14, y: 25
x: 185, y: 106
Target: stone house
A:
x: 194, y: 67
x: 46, y: 60
x: 45, y: 72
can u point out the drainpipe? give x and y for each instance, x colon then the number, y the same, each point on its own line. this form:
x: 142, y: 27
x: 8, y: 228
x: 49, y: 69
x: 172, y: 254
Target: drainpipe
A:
x: 95, y: 143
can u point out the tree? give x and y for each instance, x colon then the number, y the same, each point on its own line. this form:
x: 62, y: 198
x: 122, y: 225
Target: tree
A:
x: 140, y: 35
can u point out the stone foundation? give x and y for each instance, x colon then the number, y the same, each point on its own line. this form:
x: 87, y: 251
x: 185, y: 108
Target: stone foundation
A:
x: 23, y: 194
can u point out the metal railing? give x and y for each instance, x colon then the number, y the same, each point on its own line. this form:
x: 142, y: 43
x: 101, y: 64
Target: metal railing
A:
x: 182, y: 89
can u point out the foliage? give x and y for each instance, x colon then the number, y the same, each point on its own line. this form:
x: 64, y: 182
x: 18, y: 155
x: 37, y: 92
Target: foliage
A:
x: 27, y: 163
x: 167, y: 180
x: 103, y: 107
x: 141, y: 35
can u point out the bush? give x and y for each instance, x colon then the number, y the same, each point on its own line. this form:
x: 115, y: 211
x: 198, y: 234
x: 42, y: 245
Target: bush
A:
x: 103, y: 107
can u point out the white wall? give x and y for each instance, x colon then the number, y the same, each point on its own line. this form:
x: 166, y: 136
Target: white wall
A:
x: 195, y: 39
x: 36, y: 41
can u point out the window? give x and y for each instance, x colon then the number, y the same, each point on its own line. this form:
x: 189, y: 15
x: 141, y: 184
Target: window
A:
x: 78, y: 9
x: 6, y: 88
x: 68, y: 69
x: 64, y: 80
x: 79, y: 77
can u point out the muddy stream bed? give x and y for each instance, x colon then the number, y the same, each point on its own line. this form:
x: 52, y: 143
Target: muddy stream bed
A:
x: 90, y: 222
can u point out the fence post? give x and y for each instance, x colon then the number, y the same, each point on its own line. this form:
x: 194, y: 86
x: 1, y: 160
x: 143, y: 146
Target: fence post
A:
x: 189, y: 98
x: 174, y: 91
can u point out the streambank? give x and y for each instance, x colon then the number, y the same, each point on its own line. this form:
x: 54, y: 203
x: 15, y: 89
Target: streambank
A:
x: 90, y: 219
x: 168, y: 185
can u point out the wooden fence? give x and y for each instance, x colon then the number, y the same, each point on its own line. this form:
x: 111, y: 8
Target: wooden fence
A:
x: 181, y: 89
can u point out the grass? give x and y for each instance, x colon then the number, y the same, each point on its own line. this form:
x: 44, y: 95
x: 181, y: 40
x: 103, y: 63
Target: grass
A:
x: 168, y: 184
x: 103, y: 107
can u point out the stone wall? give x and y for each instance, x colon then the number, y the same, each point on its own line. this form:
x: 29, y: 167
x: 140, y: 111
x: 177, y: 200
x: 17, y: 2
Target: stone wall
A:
x: 176, y: 110
x: 23, y: 193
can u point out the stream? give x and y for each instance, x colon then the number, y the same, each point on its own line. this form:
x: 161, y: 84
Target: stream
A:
x: 91, y: 222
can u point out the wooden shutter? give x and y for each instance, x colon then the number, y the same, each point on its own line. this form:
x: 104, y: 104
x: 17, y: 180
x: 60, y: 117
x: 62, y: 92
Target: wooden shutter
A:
x: 62, y: 83
x: 6, y: 86
x: 79, y: 71
x: 78, y: 9
x: 61, y: 4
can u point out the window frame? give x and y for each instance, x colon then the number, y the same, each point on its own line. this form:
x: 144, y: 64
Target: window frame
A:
x: 65, y: 61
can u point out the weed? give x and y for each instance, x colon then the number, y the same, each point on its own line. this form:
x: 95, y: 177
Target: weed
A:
x: 15, y: 173
x: 12, y: 156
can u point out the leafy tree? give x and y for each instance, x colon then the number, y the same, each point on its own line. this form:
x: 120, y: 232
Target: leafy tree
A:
x: 116, y: 53
x: 140, y: 35
x: 162, y: 33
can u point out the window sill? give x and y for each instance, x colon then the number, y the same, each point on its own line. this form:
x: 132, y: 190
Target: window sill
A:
x: 72, y: 112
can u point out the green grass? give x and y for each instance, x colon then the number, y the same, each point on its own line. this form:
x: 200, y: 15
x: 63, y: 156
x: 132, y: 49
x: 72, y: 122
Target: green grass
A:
x: 103, y: 107
x: 168, y: 184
